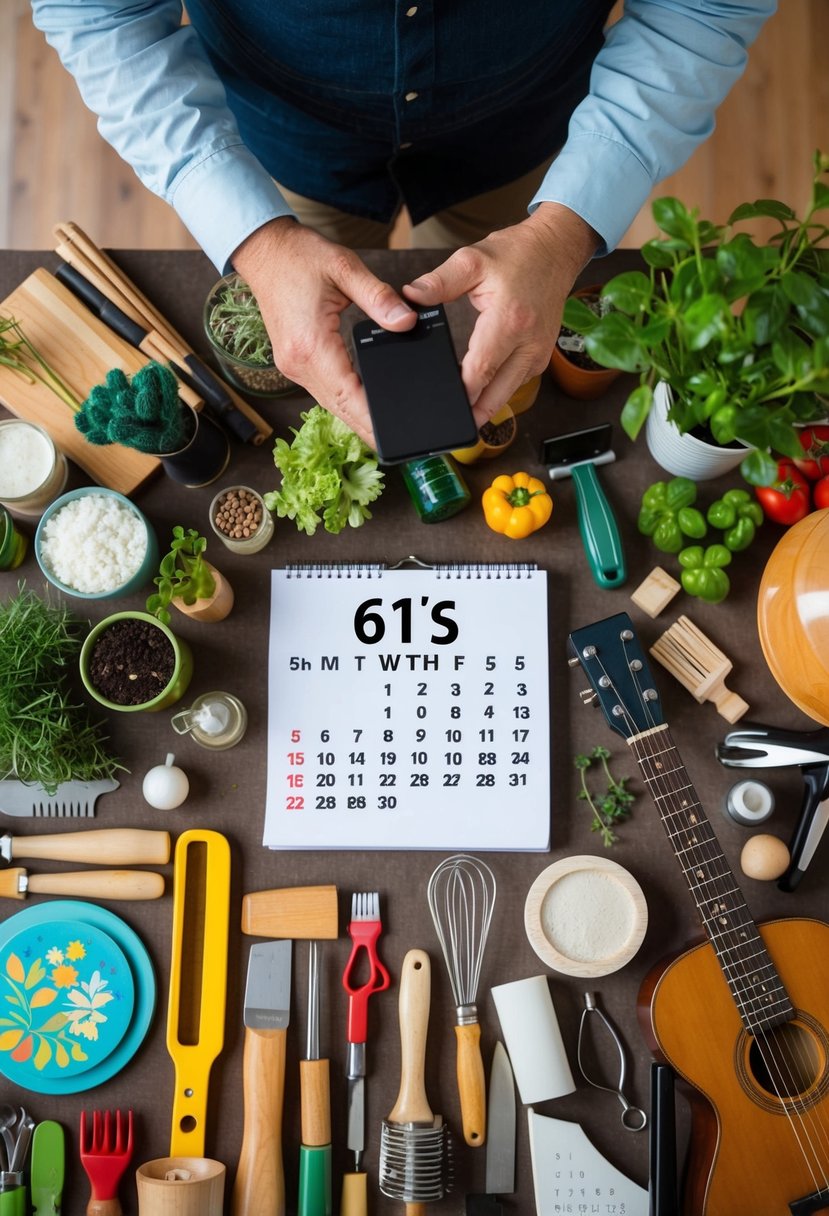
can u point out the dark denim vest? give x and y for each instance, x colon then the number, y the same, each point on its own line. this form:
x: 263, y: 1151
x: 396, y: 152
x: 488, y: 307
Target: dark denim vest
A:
x: 359, y: 105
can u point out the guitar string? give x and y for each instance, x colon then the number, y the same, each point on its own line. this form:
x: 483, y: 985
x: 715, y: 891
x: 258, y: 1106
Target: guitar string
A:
x: 767, y: 1055
x: 776, y: 1080
x: 767, y: 1049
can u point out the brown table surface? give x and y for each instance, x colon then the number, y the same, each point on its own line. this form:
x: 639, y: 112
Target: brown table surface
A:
x: 228, y: 788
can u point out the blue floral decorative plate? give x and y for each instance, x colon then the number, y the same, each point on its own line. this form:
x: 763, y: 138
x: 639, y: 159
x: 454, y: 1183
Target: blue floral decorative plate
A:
x: 58, y: 926
x: 66, y: 1000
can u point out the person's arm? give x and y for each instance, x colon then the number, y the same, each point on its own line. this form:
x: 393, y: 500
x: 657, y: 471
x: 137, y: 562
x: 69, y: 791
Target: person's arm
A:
x: 664, y: 69
x: 163, y: 108
x: 654, y: 88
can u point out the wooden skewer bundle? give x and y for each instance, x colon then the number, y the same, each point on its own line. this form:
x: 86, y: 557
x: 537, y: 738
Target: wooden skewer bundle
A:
x: 162, y: 343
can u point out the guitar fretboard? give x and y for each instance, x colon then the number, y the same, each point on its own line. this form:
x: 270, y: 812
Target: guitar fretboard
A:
x: 755, y: 985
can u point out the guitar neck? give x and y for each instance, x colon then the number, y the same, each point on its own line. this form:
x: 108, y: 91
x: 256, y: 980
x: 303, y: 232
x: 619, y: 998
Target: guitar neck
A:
x: 758, y: 992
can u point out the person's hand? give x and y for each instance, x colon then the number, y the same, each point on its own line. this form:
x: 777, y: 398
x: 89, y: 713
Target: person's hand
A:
x: 518, y: 279
x: 302, y: 283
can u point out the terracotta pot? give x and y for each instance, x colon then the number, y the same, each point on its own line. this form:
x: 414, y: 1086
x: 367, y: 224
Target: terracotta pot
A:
x: 793, y: 614
x: 581, y: 382
x: 213, y: 607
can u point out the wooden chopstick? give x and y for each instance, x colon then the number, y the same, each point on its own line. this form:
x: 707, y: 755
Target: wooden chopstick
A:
x: 76, y: 248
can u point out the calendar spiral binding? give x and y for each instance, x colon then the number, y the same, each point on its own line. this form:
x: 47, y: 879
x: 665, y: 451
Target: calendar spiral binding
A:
x: 448, y: 570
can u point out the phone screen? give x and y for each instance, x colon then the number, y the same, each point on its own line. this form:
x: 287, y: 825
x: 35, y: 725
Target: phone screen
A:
x: 416, y: 397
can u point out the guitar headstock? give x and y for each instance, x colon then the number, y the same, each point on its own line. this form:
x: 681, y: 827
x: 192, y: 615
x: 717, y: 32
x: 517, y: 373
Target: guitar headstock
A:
x: 612, y: 658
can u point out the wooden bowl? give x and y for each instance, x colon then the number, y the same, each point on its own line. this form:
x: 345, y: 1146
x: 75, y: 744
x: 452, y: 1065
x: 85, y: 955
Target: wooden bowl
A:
x: 585, y: 916
x: 793, y: 614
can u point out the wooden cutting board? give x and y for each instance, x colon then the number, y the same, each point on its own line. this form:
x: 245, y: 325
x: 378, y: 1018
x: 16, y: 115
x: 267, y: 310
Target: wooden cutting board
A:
x: 82, y: 350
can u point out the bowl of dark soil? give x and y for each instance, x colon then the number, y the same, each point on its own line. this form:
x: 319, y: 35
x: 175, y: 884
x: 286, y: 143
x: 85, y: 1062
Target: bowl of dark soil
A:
x: 494, y: 437
x: 130, y: 661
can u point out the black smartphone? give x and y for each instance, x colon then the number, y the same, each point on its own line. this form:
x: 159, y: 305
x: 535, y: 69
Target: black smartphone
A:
x: 416, y: 397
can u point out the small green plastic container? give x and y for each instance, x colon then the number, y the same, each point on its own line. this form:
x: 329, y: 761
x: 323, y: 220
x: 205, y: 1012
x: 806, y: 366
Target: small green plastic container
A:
x: 13, y: 544
x: 436, y: 488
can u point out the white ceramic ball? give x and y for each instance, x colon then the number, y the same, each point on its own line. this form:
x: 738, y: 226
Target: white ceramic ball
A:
x: 166, y: 786
x: 764, y: 857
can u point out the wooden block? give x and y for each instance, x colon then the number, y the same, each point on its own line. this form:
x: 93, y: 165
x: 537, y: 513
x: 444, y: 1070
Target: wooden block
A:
x: 656, y: 592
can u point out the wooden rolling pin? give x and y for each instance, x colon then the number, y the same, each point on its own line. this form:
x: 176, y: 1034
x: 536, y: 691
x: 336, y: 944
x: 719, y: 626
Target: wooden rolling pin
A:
x: 101, y: 846
x: 17, y: 883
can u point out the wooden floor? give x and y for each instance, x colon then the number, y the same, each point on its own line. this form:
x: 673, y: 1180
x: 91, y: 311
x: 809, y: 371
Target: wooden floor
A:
x: 54, y: 165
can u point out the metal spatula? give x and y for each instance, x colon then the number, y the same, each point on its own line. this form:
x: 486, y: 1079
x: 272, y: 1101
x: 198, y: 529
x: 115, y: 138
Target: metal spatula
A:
x: 73, y: 799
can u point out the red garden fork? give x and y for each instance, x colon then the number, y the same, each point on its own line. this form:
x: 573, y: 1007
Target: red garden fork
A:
x: 106, y: 1149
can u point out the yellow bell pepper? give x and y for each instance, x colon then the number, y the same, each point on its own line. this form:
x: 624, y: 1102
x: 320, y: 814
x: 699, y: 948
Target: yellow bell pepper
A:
x: 516, y: 506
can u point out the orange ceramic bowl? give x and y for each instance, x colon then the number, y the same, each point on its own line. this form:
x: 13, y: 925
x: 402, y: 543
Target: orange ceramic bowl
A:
x: 793, y: 614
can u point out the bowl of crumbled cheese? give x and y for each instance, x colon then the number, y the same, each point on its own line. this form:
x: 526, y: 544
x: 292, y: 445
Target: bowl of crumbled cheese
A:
x: 94, y: 543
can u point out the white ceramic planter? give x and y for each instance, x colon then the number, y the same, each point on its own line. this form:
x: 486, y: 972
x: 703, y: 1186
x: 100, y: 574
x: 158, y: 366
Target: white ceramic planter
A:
x: 685, y: 455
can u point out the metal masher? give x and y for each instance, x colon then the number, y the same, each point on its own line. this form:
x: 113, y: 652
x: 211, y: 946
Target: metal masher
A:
x: 414, y: 1146
x: 461, y: 894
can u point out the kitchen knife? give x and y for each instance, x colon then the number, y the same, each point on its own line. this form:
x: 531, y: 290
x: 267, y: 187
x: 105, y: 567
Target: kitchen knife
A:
x: 47, y: 1168
x: 71, y: 798
x: 259, y: 1188
x: 194, y: 373
x: 500, y: 1144
x: 102, y: 846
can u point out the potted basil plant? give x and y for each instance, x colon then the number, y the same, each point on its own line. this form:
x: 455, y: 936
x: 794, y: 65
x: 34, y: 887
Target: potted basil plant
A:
x: 189, y: 582
x: 729, y: 335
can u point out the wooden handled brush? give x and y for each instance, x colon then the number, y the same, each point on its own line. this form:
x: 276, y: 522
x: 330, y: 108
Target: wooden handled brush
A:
x: 699, y: 666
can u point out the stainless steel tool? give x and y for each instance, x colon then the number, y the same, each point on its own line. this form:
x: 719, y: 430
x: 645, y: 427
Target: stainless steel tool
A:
x: 71, y: 799
x: 500, y: 1144
x: 260, y: 1178
x: 461, y: 894
x: 758, y: 746
x: 633, y: 1119
x: 414, y: 1146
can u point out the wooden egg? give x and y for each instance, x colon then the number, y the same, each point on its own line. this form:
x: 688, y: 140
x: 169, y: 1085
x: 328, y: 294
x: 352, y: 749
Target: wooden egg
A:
x: 764, y: 857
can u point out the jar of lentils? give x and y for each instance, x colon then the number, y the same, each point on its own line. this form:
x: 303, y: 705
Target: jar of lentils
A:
x: 241, y: 520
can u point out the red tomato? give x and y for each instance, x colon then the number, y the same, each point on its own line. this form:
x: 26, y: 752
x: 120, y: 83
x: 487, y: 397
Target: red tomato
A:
x: 815, y: 443
x: 820, y: 493
x: 787, y: 499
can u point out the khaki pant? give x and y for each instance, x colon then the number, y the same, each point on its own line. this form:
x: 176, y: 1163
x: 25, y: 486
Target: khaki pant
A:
x: 463, y: 224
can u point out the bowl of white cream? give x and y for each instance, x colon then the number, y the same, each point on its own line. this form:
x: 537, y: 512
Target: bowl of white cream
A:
x: 94, y: 543
x: 585, y: 916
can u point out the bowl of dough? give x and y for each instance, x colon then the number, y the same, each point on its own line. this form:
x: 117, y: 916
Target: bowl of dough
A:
x: 94, y: 543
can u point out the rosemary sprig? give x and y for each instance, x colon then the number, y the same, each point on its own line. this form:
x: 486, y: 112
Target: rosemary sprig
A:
x: 611, y: 807
x: 19, y: 354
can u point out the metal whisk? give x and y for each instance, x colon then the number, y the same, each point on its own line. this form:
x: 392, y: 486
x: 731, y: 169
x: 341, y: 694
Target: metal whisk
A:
x: 461, y: 894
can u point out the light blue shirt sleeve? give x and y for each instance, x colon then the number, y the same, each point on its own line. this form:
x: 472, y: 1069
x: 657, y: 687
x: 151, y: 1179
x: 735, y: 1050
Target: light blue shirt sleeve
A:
x: 664, y: 69
x: 163, y: 108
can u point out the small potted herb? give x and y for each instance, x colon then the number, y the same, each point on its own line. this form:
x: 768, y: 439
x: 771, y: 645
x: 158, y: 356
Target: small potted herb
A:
x: 146, y: 413
x: 188, y: 581
x: 571, y: 366
x: 240, y: 342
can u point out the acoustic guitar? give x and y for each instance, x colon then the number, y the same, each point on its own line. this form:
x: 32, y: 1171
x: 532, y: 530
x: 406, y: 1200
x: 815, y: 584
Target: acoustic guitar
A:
x: 744, y: 1017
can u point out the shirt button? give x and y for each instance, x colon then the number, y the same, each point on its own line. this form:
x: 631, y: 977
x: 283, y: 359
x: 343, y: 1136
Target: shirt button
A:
x: 411, y: 96
x: 410, y: 12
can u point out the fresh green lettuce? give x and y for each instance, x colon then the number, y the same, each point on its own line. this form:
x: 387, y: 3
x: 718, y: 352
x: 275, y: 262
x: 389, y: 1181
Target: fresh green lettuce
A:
x: 328, y: 475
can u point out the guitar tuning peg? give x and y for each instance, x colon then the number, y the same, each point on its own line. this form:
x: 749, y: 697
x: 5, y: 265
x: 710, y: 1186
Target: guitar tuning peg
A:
x: 573, y: 661
x: 588, y: 696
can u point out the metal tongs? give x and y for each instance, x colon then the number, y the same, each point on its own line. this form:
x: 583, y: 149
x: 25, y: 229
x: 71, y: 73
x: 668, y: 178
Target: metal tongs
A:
x: 16, y: 1132
x: 757, y: 746
x: 633, y: 1118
